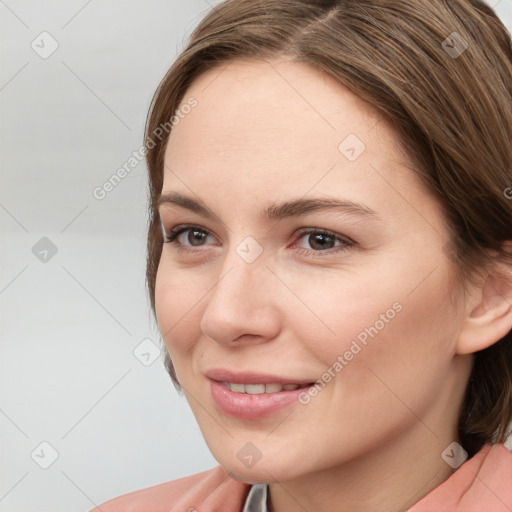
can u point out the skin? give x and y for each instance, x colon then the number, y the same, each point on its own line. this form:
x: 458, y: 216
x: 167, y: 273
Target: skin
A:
x: 266, y: 132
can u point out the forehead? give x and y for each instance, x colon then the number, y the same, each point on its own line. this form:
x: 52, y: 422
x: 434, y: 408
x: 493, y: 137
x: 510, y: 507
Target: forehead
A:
x: 252, y: 108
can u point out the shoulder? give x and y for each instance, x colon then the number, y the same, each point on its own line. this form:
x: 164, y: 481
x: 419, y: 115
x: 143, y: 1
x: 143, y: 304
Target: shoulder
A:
x: 482, y: 484
x: 210, y: 490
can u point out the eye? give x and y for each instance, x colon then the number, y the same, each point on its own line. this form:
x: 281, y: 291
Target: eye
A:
x: 311, y: 241
x: 317, y: 241
x: 187, y: 236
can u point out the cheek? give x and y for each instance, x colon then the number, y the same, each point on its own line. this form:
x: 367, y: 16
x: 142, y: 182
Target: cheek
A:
x: 177, y: 305
x: 380, y: 323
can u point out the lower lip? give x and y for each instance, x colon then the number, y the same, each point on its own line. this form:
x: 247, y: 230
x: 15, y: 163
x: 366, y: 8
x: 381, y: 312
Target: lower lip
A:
x: 252, y: 407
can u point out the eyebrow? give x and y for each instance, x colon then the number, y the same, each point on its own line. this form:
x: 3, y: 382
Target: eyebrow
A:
x: 293, y: 208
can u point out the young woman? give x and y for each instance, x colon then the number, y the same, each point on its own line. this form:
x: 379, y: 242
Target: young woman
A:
x: 330, y: 256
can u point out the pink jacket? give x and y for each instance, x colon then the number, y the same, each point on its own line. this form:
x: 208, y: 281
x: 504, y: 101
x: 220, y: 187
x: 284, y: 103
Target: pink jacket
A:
x: 482, y: 484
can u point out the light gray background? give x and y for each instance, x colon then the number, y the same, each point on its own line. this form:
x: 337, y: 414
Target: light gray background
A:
x: 70, y: 324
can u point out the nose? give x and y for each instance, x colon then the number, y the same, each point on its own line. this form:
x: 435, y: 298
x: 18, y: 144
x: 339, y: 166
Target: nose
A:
x: 241, y: 305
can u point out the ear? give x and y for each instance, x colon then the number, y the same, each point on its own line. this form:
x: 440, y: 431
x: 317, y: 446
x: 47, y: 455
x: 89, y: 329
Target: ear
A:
x: 488, y: 311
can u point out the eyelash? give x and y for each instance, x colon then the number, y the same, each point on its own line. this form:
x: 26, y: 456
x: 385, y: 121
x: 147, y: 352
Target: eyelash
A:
x: 175, y: 232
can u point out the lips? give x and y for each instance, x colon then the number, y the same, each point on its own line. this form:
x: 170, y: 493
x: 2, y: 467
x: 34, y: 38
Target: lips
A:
x: 248, y: 377
x: 251, y: 406
x: 253, y: 396
x: 255, y: 389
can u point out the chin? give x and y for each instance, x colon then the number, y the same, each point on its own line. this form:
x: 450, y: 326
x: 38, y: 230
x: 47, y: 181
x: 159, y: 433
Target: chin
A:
x: 263, y: 471
x: 258, y: 474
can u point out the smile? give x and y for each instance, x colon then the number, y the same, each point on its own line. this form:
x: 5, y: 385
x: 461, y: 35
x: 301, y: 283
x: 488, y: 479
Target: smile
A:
x: 253, y: 401
x: 257, y: 389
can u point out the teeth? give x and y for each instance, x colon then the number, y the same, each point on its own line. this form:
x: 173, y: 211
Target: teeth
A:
x: 254, y: 389
x: 238, y: 388
x: 257, y: 389
x: 273, y: 388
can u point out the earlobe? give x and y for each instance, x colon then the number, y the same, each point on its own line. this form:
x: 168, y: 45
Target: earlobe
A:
x: 491, y: 318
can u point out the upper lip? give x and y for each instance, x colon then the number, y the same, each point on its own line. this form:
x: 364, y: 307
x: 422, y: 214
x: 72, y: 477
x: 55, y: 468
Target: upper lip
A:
x: 224, y: 375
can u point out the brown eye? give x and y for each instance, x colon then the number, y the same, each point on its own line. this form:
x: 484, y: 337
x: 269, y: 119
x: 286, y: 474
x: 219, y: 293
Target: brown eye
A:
x: 318, y: 241
x: 195, y: 237
x: 187, y: 236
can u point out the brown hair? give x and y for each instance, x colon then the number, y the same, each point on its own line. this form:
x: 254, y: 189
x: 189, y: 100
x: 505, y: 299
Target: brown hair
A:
x: 451, y: 105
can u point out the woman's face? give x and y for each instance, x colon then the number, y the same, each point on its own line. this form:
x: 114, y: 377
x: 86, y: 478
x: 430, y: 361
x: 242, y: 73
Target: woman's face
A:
x: 313, y: 254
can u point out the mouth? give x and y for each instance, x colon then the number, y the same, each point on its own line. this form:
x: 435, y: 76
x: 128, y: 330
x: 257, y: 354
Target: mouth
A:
x: 254, y: 401
x: 259, y: 389
x: 248, y: 378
